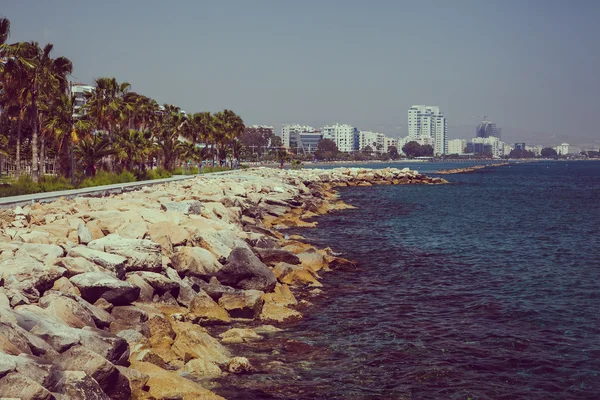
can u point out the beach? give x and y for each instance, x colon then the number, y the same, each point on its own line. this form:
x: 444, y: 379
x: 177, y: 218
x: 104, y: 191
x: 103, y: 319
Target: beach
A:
x: 142, y: 294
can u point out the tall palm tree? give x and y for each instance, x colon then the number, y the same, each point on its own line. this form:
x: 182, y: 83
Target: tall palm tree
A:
x: 227, y: 127
x: 43, y: 75
x: 4, y: 30
x: 172, y: 126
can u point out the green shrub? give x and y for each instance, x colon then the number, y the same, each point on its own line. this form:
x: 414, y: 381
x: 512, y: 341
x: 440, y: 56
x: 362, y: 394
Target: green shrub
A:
x: 208, y: 170
x: 107, y: 178
x: 54, y: 183
x: 244, y: 166
x: 23, y: 185
x: 158, y: 173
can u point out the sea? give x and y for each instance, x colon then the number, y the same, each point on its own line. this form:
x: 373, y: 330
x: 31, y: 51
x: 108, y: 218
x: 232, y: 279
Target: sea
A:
x: 485, y: 288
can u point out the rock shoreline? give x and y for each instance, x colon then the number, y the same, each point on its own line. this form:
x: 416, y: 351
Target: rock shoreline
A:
x: 120, y: 297
x: 468, y: 169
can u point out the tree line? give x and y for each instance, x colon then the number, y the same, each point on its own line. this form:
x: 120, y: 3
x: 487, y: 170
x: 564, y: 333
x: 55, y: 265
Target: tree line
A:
x: 116, y: 128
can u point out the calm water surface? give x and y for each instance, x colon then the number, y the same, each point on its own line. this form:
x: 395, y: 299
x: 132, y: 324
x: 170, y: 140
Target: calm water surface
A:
x: 488, y: 288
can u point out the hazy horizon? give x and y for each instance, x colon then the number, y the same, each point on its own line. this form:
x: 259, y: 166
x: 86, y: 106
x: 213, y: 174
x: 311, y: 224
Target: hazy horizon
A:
x: 530, y: 66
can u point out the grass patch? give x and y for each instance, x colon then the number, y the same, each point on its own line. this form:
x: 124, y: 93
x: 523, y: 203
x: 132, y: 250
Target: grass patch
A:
x: 107, y: 178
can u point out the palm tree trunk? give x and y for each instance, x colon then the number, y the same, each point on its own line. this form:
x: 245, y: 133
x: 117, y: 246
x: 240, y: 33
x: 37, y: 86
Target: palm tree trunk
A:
x: 18, y: 155
x: 42, y: 155
x: 34, y: 134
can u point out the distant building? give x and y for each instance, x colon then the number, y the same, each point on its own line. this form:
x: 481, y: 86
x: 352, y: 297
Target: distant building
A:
x: 487, y: 129
x: 305, y: 142
x: 422, y: 140
x: 287, y: 130
x: 389, y: 142
x: 520, y: 146
x: 345, y: 136
x: 457, y: 146
x: 490, y: 145
x: 428, y: 121
x: 562, y: 149
x: 78, y: 91
x: 537, y: 150
x: 375, y: 140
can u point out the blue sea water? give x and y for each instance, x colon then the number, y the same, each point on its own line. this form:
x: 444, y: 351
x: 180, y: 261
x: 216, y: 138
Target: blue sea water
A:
x: 486, y: 288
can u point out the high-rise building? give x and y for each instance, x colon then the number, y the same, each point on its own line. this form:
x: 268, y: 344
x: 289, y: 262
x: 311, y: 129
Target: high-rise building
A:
x: 287, y: 130
x: 487, y: 129
x: 562, y: 149
x: 305, y: 142
x: 428, y: 121
x: 78, y: 91
x: 520, y: 146
x: 344, y: 136
x: 375, y: 140
x: 490, y: 145
x: 457, y: 146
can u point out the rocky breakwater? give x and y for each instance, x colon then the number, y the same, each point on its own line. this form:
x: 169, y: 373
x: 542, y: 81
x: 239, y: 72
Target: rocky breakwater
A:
x: 138, y: 295
x: 468, y: 169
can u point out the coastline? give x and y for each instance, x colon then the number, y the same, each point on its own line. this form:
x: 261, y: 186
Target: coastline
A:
x: 140, y: 294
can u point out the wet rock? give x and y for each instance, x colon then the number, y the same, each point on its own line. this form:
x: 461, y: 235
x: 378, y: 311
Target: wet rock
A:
x: 193, y: 342
x: 95, y: 285
x: 169, y: 385
x: 242, y: 303
x: 244, y: 270
x: 199, y: 368
x: 213, y: 288
x: 206, y: 310
x: 239, y: 365
x: 265, y: 242
x: 195, y: 261
x: 185, y: 207
x: 295, y: 275
x: 313, y: 260
x: 340, y: 263
x: 274, y: 256
x: 273, y: 312
x: 239, y: 335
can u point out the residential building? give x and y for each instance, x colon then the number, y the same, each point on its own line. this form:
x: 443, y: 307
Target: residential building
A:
x: 487, y: 129
x: 507, y: 148
x: 375, y: 140
x: 287, y: 130
x: 457, y: 146
x: 344, y: 136
x: 537, y: 150
x: 305, y: 142
x: 491, y: 145
x: 428, y: 121
x: 562, y: 149
x: 78, y: 91
x: 389, y: 142
x: 422, y: 140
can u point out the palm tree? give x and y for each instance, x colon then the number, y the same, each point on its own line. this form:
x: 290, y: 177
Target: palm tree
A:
x: 4, y: 30
x: 133, y: 148
x: 171, y: 127
x: 43, y: 75
x: 91, y: 150
x: 237, y: 148
x: 227, y: 127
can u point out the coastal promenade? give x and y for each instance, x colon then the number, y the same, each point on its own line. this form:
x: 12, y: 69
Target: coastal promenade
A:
x: 130, y: 294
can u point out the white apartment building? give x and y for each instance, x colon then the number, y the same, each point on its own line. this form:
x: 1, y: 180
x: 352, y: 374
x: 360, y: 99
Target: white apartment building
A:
x: 428, y: 121
x: 490, y: 144
x: 537, y: 150
x: 422, y: 140
x: 562, y: 149
x: 345, y: 136
x: 389, y: 142
x: 457, y: 146
x: 287, y: 130
x: 507, y: 148
x: 78, y: 91
x: 374, y: 140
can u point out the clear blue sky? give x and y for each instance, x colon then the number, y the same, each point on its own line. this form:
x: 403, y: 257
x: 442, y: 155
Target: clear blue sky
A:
x: 532, y: 66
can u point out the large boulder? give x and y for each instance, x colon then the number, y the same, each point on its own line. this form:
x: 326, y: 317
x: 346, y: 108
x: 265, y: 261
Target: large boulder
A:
x: 296, y: 275
x: 84, y: 235
x: 18, y: 386
x: 111, y: 262
x: 274, y: 256
x: 206, y: 310
x: 160, y: 283
x: 141, y: 254
x: 95, y: 285
x: 79, y: 358
x: 242, y: 303
x: 168, y: 234
x: 244, y: 270
x: 185, y: 207
x: 68, y: 310
x: 195, y: 261
x: 78, y: 265
x: 45, y: 253
x: 77, y: 385
x: 28, y: 276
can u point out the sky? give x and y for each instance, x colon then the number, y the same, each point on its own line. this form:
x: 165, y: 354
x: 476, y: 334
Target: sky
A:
x: 531, y: 66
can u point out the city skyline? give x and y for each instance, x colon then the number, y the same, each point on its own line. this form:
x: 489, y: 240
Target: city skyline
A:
x: 510, y: 62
